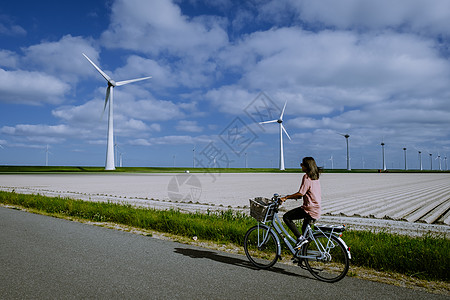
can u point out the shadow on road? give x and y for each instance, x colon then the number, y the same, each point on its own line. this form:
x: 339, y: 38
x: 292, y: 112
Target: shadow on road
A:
x: 195, y: 253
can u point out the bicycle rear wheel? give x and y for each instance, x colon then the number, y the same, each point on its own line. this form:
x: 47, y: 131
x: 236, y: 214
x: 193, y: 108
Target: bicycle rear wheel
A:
x: 331, y: 268
x: 261, y: 247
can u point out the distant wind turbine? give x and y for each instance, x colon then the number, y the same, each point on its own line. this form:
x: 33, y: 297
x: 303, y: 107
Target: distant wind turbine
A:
x: 332, y: 165
x: 46, y: 155
x: 280, y: 121
x: 110, y: 165
x: 193, y: 157
x: 439, y: 160
x: 348, y: 153
x: 420, y: 159
x: 431, y: 161
x: 406, y: 167
x: 382, y: 154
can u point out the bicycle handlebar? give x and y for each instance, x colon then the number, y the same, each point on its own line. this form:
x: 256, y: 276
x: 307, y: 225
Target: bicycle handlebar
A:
x: 276, y: 201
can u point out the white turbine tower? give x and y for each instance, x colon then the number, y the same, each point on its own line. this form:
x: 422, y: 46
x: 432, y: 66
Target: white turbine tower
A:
x: 406, y: 166
x: 47, y: 152
x: 382, y: 153
x: 420, y: 159
x: 332, y: 165
x: 110, y: 165
x: 280, y: 121
x: 348, y: 153
x: 438, y: 158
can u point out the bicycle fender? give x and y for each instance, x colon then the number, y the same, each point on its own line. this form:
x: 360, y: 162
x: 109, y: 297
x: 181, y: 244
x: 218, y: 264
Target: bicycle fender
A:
x: 276, y: 238
x: 345, y: 246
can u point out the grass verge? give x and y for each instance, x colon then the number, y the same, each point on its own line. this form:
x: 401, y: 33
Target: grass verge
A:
x: 423, y: 257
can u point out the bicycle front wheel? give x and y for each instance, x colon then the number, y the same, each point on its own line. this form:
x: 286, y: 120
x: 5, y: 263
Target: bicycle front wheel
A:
x: 261, y: 247
x: 331, y: 260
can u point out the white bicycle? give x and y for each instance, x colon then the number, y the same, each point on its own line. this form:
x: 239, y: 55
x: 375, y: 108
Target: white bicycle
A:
x: 325, y: 256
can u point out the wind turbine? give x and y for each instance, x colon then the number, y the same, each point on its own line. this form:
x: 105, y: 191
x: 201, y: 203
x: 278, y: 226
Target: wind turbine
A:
x: 280, y: 121
x: 193, y: 157
x: 406, y: 167
x: 431, y: 161
x: 420, y: 159
x: 348, y: 154
x: 246, y: 165
x: 439, y: 160
x: 382, y: 153
x: 110, y: 165
x: 46, y: 155
x: 331, y: 158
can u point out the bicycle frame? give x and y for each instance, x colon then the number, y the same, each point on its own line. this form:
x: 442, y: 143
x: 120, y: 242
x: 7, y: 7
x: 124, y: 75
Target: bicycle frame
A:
x: 277, y: 227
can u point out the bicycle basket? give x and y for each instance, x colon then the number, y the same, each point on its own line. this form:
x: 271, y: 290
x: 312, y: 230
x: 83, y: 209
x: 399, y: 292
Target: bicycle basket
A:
x: 259, y: 209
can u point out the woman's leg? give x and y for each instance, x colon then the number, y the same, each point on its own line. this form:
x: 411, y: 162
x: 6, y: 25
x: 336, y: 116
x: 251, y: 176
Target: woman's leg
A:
x: 294, y: 214
x: 307, y: 220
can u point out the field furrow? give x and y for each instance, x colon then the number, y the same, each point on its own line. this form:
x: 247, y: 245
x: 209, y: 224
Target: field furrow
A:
x: 415, y: 197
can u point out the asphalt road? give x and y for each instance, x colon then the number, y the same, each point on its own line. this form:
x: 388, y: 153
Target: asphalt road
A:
x: 43, y: 257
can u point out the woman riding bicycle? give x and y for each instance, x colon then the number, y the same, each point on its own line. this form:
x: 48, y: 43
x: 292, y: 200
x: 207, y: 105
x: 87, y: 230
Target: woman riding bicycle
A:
x: 311, y: 193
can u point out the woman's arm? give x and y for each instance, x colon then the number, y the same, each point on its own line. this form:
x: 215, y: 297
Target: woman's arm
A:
x: 293, y: 196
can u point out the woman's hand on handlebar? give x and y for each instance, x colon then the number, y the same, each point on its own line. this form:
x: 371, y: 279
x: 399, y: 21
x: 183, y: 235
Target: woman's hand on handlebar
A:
x: 281, y: 200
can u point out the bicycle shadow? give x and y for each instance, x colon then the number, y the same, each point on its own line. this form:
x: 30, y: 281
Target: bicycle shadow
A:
x: 195, y: 253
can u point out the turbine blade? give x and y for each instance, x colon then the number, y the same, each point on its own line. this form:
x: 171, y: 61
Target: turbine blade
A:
x: 284, y: 129
x: 106, y: 99
x: 273, y: 121
x: 131, y: 80
x: 282, y: 112
x: 98, y: 69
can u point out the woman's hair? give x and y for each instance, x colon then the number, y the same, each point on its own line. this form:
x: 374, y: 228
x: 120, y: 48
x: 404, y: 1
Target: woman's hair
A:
x: 311, y: 168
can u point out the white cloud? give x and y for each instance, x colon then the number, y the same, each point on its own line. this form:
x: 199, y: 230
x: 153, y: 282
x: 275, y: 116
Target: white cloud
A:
x: 139, y: 142
x: 230, y: 99
x: 189, y: 126
x: 427, y: 17
x: 8, y: 28
x: 31, y: 87
x: 62, y: 58
x: 42, y: 133
x: 85, y: 115
x: 159, y: 26
x: 162, y: 76
x: 173, y: 140
x: 8, y: 59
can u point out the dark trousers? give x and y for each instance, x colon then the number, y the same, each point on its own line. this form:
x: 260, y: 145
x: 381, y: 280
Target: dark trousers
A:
x: 297, y: 214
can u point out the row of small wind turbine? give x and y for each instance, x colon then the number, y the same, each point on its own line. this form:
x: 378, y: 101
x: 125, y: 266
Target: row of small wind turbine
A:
x: 439, y: 159
x: 280, y: 122
x: 110, y: 164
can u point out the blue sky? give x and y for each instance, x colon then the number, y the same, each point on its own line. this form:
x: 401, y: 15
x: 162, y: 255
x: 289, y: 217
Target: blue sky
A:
x: 377, y: 70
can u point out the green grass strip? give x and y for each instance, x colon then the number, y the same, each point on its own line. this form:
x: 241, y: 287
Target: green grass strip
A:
x: 424, y: 257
